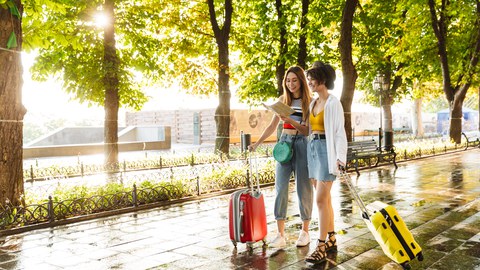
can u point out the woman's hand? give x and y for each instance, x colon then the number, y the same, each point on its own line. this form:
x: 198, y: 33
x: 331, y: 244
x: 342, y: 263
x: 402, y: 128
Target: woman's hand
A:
x: 252, y: 147
x: 286, y: 119
x: 340, y: 165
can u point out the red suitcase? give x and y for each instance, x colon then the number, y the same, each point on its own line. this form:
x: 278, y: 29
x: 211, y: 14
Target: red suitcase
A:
x: 247, y: 217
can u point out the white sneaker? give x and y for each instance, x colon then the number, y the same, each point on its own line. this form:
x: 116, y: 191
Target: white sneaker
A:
x: 278, y: 242
x: 303, y: 239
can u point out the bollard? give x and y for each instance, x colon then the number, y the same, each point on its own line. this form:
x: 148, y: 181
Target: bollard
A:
x: 192, y: 160
x: 51, y: 214
x: 198, y: 186
x: 134, y: 195
x: 245, y: 140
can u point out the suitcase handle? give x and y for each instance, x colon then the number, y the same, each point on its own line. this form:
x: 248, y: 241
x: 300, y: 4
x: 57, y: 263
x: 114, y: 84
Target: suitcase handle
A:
x: 256, y: 171
x: 355, y: 195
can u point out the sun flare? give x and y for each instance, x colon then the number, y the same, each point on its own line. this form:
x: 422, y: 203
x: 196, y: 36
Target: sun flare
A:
x: 101, y: 19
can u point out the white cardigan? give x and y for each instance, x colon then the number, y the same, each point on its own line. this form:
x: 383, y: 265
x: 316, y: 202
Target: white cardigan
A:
x: 334, y: 122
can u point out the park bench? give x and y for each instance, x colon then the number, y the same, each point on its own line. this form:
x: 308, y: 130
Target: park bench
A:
x: 471, y: 140
x: 366, y: 151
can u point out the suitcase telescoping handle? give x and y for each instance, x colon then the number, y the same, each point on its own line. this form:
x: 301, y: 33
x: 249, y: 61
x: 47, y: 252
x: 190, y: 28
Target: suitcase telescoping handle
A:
x: 356, y: 197
x: 256, y: 171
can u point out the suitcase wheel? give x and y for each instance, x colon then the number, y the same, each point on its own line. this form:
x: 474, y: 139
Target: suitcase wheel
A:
x: 420, y: 256
x: 264, y: 242
x: 406, y: 266
x: 250, y: 247
x: 234, y: 243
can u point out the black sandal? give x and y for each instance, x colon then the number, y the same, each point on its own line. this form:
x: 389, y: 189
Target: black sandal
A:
x: 331, y: 243
x: 319, y: 255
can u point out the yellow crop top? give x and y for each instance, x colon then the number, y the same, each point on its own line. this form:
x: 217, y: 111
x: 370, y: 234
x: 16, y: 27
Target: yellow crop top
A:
x: 317, y: 122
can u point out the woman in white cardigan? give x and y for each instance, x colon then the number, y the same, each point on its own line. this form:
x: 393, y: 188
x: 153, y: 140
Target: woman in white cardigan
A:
x: 326, y: 151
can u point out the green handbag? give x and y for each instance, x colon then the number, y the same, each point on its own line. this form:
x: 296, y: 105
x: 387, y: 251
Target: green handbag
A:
x: 283, y: 152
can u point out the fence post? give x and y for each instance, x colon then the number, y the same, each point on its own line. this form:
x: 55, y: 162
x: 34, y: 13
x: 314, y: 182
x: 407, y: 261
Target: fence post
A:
x: 248, y: 177
x: 124, y: 166
x: 192, y: 160
x: 134, y: 195
x: 405, y: 154
x: 82, y: 170
x: 51, y: 214
x: 31, y: 172
x: 198, y: 186
x: 160, y: 162
x: 433, y: 149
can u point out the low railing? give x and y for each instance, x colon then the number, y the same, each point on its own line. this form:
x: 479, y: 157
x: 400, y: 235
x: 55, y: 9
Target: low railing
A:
x: 147, y: 189
x: 165, y: 185
x: 34, y: 172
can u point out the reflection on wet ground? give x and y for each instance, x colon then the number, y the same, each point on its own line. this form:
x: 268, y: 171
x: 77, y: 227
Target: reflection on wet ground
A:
x: 437, y: 197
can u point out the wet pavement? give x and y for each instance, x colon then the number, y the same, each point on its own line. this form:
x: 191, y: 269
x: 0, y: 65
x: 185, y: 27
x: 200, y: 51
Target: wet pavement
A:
x: 439, y: 198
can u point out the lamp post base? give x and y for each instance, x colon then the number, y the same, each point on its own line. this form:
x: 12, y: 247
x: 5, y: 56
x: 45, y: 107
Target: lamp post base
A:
x: 388, y: 140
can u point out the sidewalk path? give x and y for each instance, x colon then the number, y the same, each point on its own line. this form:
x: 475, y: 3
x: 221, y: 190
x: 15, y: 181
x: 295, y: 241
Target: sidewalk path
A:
x: 438, y: 198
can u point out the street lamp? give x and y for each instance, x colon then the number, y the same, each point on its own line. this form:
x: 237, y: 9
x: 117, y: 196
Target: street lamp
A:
x: 380, y: 84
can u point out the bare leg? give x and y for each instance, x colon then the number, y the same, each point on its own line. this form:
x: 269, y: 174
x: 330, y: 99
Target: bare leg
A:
x: 305, y: 225
x: 322, y: 199
x: 281, y: 227
x: 331, y: 227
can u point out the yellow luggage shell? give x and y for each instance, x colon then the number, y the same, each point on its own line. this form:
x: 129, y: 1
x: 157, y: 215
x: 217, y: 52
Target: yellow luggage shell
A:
x: 392, y: 234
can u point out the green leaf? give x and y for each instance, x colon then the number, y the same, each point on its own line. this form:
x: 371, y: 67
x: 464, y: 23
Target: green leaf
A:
x: 12, y: 41
x: 14, y: 10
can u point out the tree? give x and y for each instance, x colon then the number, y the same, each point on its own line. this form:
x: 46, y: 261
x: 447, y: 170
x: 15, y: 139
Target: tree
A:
x: 73, y: 48
x: 348, y: 68
x: 222, y: 35
x: 275, y: 35
x: 377, y: 39
x: 458, y: 45
x: 111, y: 82
x: 11, y: 107
x: 264, y: 48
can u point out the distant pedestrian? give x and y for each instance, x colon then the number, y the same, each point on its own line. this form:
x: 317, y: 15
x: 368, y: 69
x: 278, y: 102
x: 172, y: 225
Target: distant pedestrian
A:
x: 327, y: 150
x: 296, y: 95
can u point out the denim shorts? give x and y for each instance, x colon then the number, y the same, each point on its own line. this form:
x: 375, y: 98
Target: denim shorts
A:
x: 318, y: 160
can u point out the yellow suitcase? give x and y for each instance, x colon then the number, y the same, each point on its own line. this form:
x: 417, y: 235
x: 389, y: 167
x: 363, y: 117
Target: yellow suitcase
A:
x: 388, y: 228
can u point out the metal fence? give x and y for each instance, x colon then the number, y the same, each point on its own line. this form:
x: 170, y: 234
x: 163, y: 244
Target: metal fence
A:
x: 165, y: 185
x: 185, y: 176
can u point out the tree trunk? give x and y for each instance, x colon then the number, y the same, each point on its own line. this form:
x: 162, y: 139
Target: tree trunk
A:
x: 111, y: 81
x: 348, y: 68
x: 417, y: 123
x: 11, y: 109
x: 283, y: 48
x: 456, y: 118
x: 222, y: 113
x: 302, y: 41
